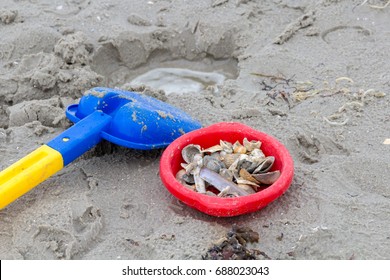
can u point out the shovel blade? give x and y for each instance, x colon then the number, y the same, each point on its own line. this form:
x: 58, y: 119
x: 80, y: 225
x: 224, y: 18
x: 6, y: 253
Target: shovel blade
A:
x: 138, y: 121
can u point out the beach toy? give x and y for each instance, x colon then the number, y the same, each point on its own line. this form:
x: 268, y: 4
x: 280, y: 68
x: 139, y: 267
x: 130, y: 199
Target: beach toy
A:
x: 124, y: 118
x: 171, y: 161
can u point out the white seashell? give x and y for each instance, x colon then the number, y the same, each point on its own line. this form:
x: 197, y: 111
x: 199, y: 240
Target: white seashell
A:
x: 210, y: 193
x: 244, y: 174
x: 235, y: 164
x: 247, y: 188
x: 251, y: 145
x: 212, y: 163
x: 226, y: 146
x: 226, y: 173
x: 257, y: 154
x: 200, y: 184
x: 229, y: 159
x: 246, y: 182
x: 265, y: 165
x: 180, y: 178
x: 189, y: 152
x: 238, y: 148
x: 213, y: 149
x: 267, y: 178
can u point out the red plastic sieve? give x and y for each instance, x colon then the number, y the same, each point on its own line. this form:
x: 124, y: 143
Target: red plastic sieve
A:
x: 209, y: 136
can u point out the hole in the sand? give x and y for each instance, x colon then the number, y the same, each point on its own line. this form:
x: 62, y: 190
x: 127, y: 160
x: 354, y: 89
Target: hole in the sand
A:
x: 173, y: 62
x: 178, y: 80
x: 177, y: 76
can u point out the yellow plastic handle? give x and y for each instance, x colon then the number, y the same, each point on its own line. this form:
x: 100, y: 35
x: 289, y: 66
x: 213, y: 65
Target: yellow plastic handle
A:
x: 28, y: 172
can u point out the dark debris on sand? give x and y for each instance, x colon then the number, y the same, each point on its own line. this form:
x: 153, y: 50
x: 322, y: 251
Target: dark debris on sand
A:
x: 233, y: 245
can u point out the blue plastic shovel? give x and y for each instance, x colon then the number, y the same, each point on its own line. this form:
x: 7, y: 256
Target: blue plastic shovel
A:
x: 125, y: 118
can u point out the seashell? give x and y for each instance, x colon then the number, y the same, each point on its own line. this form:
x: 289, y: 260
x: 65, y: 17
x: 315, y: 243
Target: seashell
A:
x: 209, y: 193
x: 225, y: 192
x: 246, y: 182
x: 257, y: 153
x: 251, y: 145
x: 238, y: 148
x: 244, y: 174
x: 213, y: 149
x: 189, y: 167
x: 247, y: 188
x: 200, y: 184
x: 229, y: 159
x: 252, y: 163
x: 265, y: 165
x: 247, y: 164
x: 188, y: 153
x: 212, y: 163
x: 180, y: 175
x: 216, y: 155
x: 226, y: 173
x: 188, y: 178
x: 219, y: 182
x: 226, y: 146
x: 198, y: 160
x: 235, y: 165
x: 253, y: 166
x: 267, y: 178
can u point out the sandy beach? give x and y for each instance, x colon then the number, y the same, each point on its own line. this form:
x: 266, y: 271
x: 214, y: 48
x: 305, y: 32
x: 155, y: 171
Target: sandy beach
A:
x: 313, y: 74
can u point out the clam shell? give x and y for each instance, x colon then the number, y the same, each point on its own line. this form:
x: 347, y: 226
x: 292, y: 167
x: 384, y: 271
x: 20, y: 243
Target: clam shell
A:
x: 216, y: 155
x: 238, y: 148
x: 180, y: 175
x: 225, y: 192
x: 226, y: 146
x: 265, y: 165
x: 189, y: 179
x: 246, y: 182
x: 226, y: 173
x: 248, y: 164
x: 213, y: 149
x: 200, y: 184
x: 198, y: 160
x: 237, y: 163
x: 244, y: 174
x: 188, y: 153
x: 257, y: 153
x: 251, y: 145
x: 209, y: 193
x: 213, y: 163
x: 247, y: 188
x: 189, y: 167
x: 252, y: 163
x: 267, y: 178
x: 229, y: 159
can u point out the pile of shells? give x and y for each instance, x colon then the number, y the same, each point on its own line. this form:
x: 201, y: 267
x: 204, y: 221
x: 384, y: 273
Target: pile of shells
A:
x: 227, y: 170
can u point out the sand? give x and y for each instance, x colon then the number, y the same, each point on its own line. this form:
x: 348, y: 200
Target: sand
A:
x: 313, y: 74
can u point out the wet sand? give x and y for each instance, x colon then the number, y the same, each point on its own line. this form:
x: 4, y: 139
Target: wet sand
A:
x: 314, y: 75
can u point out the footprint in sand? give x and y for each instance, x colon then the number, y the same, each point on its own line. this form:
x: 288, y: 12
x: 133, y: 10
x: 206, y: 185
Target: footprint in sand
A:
x: 309, y: 147
x: 67, y: 241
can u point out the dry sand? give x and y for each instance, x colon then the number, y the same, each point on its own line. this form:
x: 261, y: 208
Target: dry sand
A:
x: 314, y: 74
